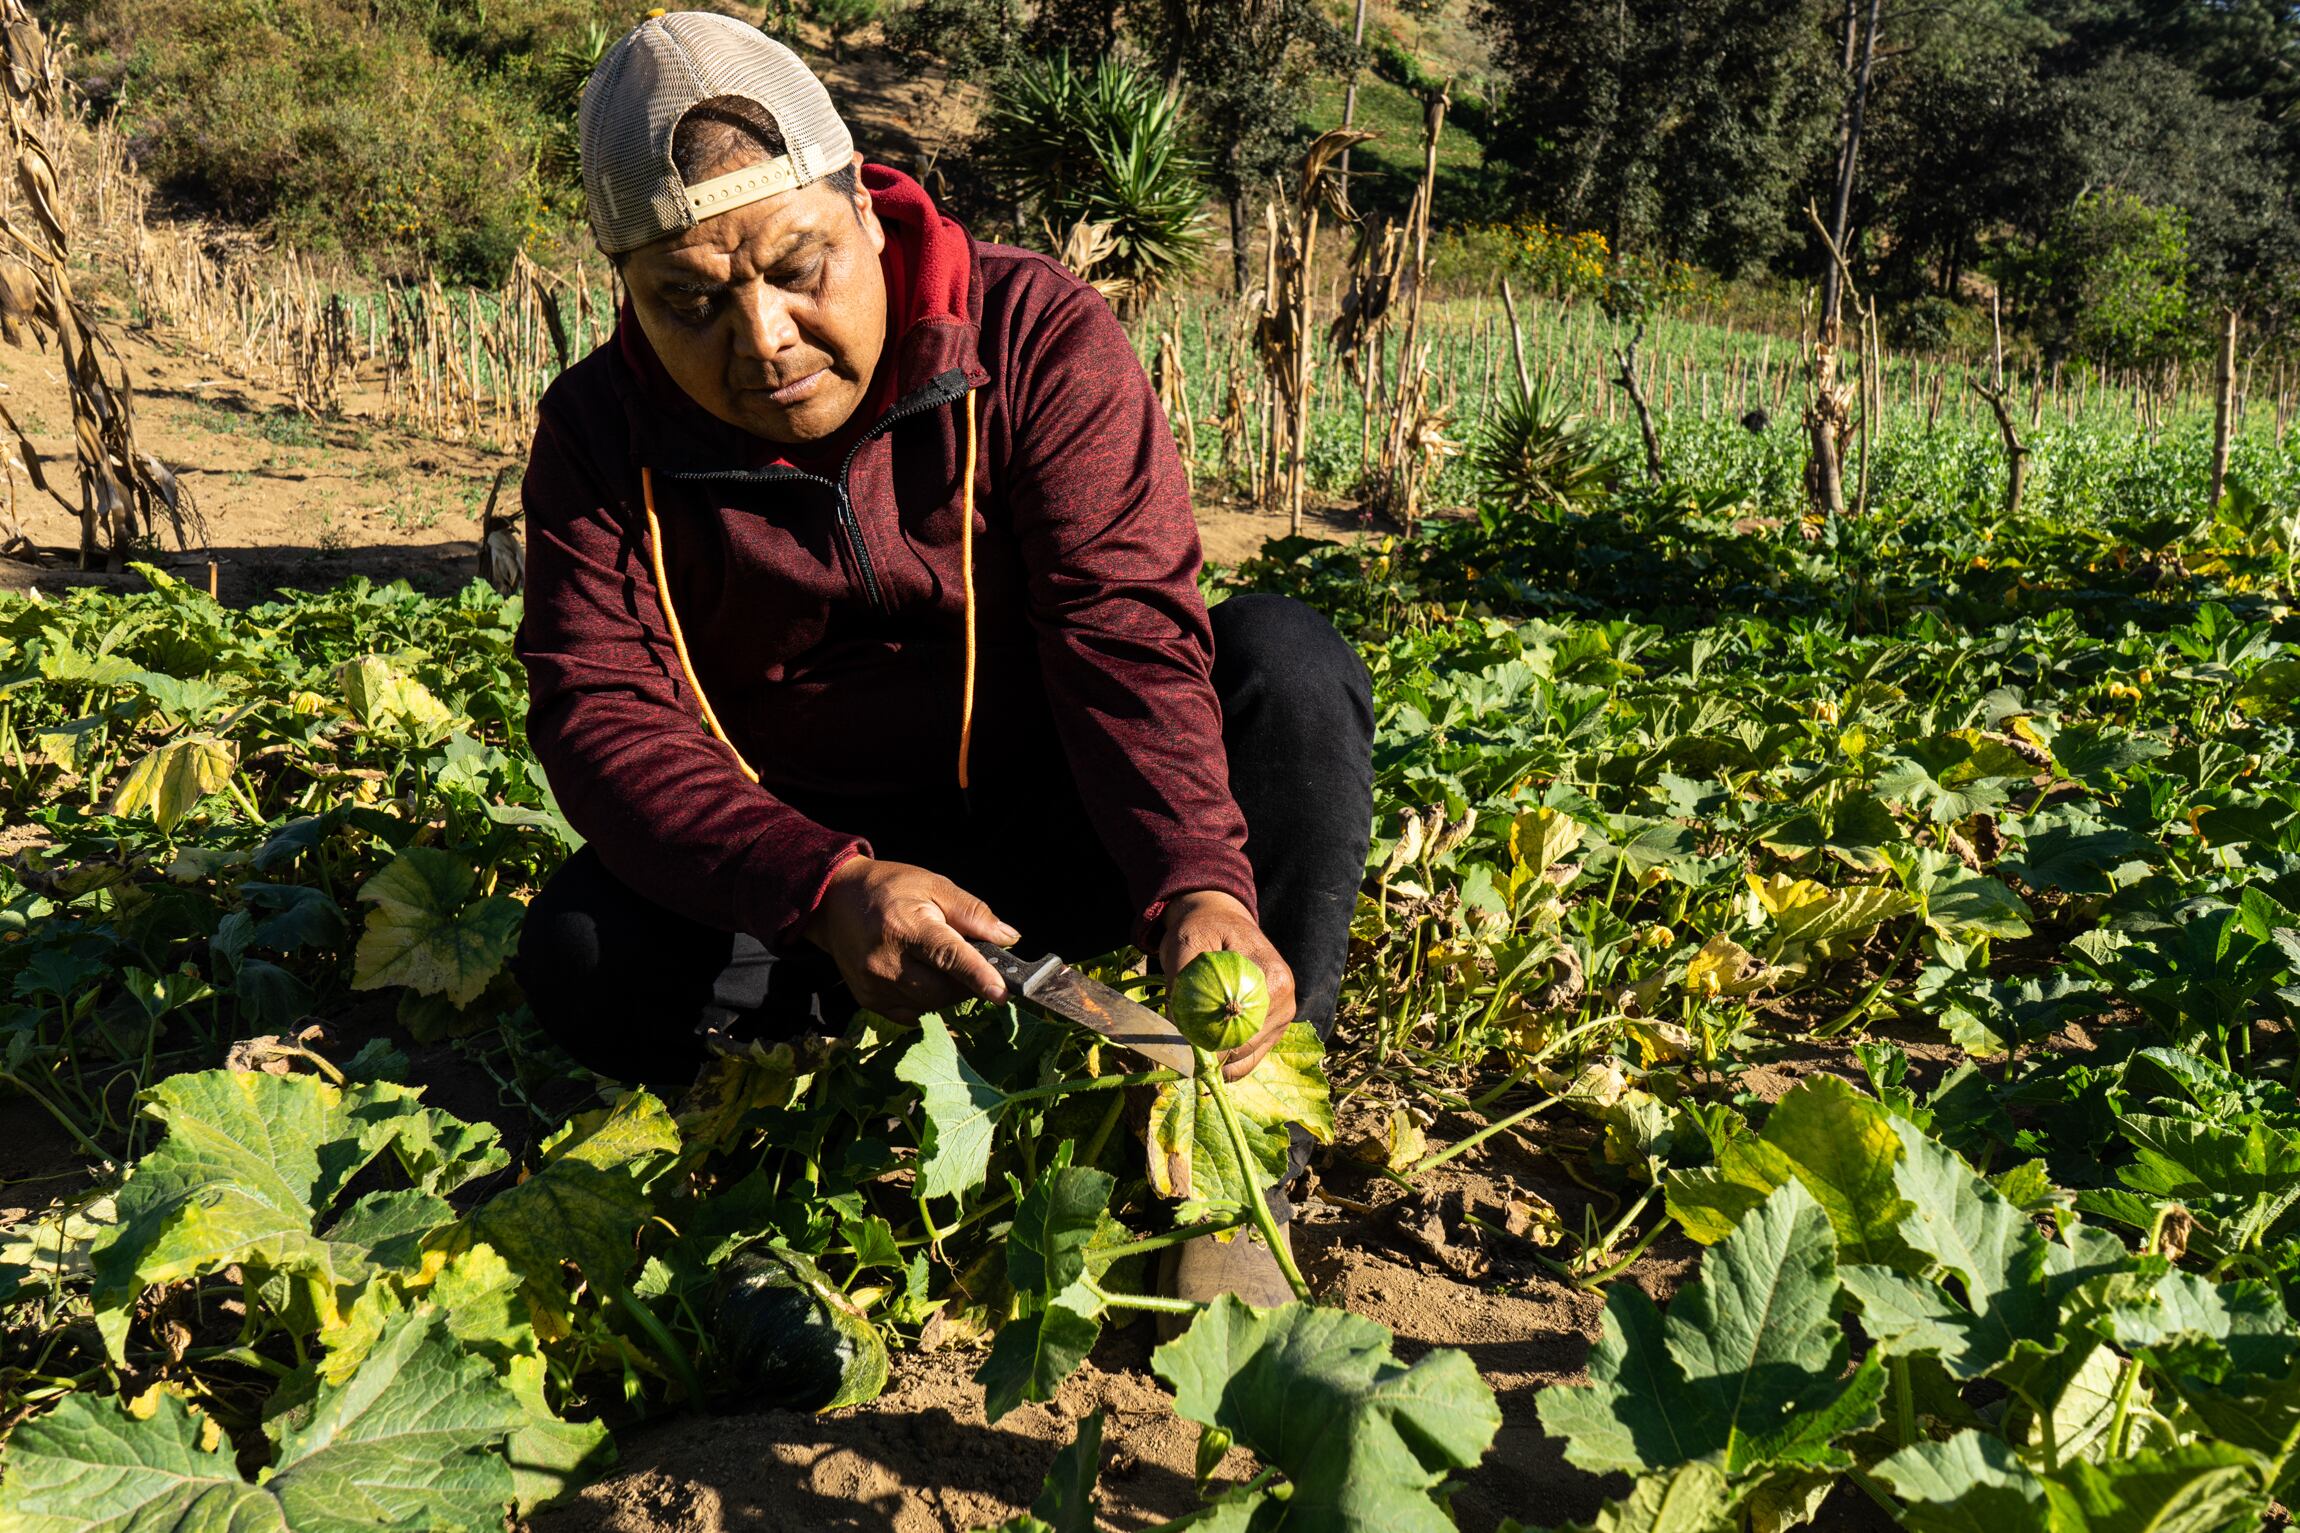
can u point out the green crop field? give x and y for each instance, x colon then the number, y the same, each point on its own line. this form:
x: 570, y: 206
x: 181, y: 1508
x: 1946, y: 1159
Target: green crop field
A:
x: 1992, y: 823
x: 1820, y: 1039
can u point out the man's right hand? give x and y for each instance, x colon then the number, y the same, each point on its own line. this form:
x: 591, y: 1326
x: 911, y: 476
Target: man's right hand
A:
x: 898, y: 934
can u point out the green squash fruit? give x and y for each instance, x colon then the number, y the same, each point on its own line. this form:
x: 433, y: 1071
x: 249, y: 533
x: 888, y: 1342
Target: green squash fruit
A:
x: 1219, y: 1000
x: 785, y: 1337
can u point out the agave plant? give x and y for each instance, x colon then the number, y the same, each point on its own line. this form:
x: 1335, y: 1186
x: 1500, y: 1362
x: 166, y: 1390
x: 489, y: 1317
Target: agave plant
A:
x: 565, y: 70
x: 1537, y: 455
x: 1102, y: 146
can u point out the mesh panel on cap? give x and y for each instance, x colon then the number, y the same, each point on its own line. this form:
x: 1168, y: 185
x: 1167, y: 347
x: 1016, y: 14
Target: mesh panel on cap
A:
x: 650, y: 80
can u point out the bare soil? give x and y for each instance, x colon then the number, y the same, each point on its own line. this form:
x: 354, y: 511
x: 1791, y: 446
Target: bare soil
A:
x: 922, y: 1459
x: 297, y: 504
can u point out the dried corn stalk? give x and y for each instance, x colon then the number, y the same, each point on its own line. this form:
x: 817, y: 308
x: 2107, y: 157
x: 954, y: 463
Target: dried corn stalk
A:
x: 1376, y: 263
x: 1415, y: 442
x: 1087, y: 246
x: 1172, y: 382
x: 123, y: 489
x: 1285, y: 332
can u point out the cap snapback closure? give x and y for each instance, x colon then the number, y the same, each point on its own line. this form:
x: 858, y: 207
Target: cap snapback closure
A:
x: 753, y: 183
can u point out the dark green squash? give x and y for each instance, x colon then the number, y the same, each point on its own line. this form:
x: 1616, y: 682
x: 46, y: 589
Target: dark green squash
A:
x: 786, y: 1337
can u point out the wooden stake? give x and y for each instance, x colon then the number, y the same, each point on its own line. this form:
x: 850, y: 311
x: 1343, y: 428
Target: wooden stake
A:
x: 2223, y: 409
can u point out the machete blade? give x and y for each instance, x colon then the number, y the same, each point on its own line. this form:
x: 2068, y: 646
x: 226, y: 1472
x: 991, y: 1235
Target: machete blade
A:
x: 1052, y: 986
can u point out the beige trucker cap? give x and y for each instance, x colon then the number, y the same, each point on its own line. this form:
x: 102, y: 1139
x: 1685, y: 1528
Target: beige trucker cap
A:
x: 650, y: 80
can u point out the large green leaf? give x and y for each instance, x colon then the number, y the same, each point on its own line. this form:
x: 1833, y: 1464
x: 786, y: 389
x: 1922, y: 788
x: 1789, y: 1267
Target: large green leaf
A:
x: 1046, y: 1259
x: 1034, y: 1353
x: 427, y: 932
x: 1316, y: 1395
x: 1692, y: 1498
x: 1972, y: 1483
x: 1840, y: 1144
x: 412, y: 1439
x: 1065, y: 1503
x: 585, y: 1202
x: 489, y: 1314
x: 961, y: 1110
x: 1970, y: 1234
x: 1056, y: 1218
x: 1961, y: 905
x: 2078, y: 857
x: 1843, y: 1148
x: 1748, y: 1369
x: 2199, y: 1488
x: 250, y: 1163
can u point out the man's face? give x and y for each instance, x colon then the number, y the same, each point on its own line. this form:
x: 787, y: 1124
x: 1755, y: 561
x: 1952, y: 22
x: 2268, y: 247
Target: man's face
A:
x: 772, y: 316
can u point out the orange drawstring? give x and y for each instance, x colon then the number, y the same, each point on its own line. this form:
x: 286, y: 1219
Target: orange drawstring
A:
x: 671, y: 621
x: 966, y: 582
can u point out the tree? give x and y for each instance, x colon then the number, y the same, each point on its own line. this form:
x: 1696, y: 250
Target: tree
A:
x: 972, y: 39
x: 1861, y: 31
x: 1991, y: 119
x: 1685, y: 127
x: 1248, y: 64
x: 1947, y: 146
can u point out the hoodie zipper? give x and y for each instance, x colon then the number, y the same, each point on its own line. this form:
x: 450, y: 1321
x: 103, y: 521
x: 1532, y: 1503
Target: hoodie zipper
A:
x: 938, y: 391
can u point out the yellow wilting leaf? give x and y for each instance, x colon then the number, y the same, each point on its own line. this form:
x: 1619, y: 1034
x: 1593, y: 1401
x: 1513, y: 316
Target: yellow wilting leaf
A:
x: 427, y: 932
x: 1532, y: 1218
x: 1539, y: 839
x: 1658, y: 1042
x: 1725, y: 967
x: 1781, y: 892
x: 1408, y: 848
x: 1598, y: 1084
x: 171, y: 780
x: 1846, y: 912
x: 729, y: 1086
x: 1399, y: 1145
x: 1408, y: 1144
x: 394, y: 704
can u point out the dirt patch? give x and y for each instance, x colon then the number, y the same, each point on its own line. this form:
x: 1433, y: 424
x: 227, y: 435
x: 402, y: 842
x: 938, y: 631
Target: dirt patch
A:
x: 294, y: 504
x: 290, y: 503
x: 921, y: 1459
x: 1232, y: 532
x: 39, y: 1161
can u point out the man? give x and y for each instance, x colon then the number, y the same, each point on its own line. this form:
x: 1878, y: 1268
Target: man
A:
x: 863, y: 619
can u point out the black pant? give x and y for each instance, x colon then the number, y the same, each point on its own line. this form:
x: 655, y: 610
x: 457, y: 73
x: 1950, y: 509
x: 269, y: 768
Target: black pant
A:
x: 624, y: 985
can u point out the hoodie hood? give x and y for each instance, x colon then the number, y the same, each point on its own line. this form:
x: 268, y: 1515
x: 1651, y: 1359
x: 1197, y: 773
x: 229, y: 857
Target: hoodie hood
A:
x: 934, y: 303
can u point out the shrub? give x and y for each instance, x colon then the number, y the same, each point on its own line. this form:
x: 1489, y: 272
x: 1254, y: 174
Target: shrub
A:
x: 842, y: 19
x: 970, y: 38
x: 1927, y: 323
x: 2110, y: 282
x: 335, y: 125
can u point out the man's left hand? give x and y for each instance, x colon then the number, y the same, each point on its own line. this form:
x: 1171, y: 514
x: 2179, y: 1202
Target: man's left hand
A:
x: 1208, y: 921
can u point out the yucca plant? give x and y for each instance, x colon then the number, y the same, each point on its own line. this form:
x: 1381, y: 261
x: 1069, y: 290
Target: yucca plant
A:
x: 1101, y: 145
x: 1536, y: 455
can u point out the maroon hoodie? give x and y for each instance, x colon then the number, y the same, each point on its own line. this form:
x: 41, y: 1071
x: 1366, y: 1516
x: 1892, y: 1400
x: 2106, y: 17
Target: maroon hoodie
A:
x: 823, y: 611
